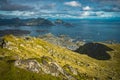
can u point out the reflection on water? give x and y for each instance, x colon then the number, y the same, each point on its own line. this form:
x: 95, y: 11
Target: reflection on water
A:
x: 88, y: 30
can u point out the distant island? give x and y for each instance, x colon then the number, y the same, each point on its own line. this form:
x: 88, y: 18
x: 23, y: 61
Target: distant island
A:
x: 61, y: 22
x: 33, y: 22
x: 26, y: 22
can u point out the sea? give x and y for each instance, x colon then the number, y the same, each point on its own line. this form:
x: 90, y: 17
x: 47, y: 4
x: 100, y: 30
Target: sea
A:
x: 89, y: 30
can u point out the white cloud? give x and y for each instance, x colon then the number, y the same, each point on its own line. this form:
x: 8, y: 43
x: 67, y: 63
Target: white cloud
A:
x: 87, y: 8
x: 21, y: 13
x: 73, y: 4
x: 86, y: 13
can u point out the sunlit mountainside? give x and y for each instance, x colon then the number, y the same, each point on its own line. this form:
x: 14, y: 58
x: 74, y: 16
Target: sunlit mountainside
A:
x: 29, y: 58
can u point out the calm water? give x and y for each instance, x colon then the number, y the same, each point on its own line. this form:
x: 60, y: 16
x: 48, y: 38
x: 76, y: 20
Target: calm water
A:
x: 87, y: 30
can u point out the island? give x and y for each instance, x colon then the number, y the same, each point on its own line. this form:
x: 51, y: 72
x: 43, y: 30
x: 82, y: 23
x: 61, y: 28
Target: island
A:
x: 25, y: 22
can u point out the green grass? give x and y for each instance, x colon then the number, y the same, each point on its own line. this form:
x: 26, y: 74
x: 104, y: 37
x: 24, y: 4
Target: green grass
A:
x: 9, y: 72
x: 36, y: 48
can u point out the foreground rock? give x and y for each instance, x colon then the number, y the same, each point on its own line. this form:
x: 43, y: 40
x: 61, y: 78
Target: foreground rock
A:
x: 47, y: 66
x: 31, y: 65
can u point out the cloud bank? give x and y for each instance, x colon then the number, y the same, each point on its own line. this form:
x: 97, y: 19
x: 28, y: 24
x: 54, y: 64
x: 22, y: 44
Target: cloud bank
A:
x: 6, y: 5
x: 60, y: 8
x: 73, y: 4
x: 87, y: 8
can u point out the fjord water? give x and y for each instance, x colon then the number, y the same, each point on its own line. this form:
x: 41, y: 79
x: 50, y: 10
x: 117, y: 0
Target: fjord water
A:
x: 85, y: 30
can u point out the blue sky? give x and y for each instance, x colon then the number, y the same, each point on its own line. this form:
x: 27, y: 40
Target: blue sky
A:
x: 60, y: 8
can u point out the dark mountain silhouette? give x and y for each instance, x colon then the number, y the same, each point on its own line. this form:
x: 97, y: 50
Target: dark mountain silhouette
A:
x: 95, y: 50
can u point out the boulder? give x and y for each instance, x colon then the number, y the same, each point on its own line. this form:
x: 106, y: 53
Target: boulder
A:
x: 28, y: 64
x: 3, y: 43
x: 49, y: 66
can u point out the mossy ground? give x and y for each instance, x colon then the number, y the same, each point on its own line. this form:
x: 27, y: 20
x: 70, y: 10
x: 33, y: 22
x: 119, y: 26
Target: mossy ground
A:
x: 20, y: 48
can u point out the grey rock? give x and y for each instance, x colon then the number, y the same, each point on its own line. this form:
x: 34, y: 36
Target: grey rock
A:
x: 47, y: 66
x: 70, y: 69
x: 4, y: 44
x: 29, y: 64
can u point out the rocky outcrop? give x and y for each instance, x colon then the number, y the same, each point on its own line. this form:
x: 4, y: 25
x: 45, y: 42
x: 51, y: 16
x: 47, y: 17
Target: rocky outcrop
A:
x: 70, y: 70
x: 4, y: 44
x: 30, y: 64
x: 46, y: 65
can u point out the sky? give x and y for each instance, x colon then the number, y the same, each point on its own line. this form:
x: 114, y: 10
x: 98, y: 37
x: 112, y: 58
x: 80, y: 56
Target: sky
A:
x: 60, y: 8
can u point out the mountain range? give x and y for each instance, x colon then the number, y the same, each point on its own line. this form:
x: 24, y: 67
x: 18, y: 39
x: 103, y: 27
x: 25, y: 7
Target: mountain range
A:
x: 32, y: 22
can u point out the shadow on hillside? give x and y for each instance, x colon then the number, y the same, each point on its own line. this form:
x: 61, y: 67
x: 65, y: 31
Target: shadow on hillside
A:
x: 95, y: 50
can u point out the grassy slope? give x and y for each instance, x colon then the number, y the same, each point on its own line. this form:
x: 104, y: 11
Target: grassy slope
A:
x: 36, y: 48
x: 9, y: 72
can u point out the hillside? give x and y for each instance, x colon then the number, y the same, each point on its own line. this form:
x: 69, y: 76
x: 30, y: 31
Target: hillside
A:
x: 30, y: 58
